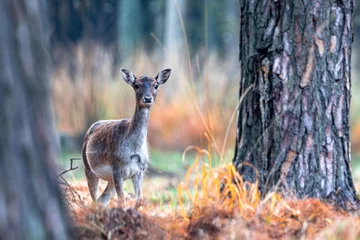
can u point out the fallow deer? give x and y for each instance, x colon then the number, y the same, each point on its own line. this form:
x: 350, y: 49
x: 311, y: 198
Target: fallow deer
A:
x: 116, y: 150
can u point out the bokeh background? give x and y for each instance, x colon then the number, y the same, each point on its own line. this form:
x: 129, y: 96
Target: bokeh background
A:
x: 92, y: 39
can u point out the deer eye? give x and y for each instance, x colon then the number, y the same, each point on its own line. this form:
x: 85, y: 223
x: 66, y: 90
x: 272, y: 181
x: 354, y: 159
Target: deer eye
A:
x: 136, y: 86
x: 156, y: 86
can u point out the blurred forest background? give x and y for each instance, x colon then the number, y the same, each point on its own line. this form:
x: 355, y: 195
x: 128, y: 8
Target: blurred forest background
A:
x: 199, y: 40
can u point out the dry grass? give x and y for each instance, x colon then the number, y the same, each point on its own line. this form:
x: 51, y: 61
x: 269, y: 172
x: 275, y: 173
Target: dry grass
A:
x: 267, y: 219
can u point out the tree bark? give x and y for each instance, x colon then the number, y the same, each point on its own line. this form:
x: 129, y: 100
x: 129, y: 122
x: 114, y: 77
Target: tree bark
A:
x: 30, y: 201
x: 294, y: 126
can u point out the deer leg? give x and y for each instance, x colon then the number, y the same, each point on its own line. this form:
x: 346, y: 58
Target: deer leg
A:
x: 137, y: 181
x: 93, y: 183
x: 119, y: 184
x: 107, y: 194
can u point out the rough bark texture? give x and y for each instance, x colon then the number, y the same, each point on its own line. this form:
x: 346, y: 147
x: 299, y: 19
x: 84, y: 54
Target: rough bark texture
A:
x: 30, y: 202
x: 294, y: 127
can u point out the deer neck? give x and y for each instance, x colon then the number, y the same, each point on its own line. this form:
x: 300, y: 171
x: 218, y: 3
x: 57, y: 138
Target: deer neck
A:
x: 140, y: 122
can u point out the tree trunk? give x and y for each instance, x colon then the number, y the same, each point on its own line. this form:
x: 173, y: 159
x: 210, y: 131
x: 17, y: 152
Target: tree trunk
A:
x: 30, y: 201
x: 66, y: 22
x: 99, y: 19
x: 174, y: 39
x: 294, y: 126
x: 130, y: 21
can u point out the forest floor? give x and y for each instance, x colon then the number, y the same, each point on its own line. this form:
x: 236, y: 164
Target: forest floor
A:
x: 165, y: 216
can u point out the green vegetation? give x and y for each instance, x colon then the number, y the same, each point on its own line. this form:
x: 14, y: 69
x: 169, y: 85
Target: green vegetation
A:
x: 167, y: 161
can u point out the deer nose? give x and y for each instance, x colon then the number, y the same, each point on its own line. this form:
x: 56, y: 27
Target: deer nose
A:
x: 147, y: 99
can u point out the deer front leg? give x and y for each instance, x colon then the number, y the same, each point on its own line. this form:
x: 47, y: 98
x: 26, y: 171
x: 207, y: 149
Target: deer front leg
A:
x: 119, y: 184
x: 106, y: 196
x: 137, y: 180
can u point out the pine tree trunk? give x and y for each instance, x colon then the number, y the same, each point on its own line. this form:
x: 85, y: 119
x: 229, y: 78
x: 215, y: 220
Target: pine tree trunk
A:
x: 294, y: 126
x: 30, y: 202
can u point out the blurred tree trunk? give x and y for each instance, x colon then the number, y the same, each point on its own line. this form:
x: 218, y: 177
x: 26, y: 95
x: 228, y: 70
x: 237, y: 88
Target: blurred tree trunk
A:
x: 294, y: 126
x: 94, y: 20
x: 216, y: 25
x: 158, y: 16
x: 174, y: 39
x: 30, y: 200
x: 99, y: 19
x: 130, y: 19
x: 195, y: 12
x: 231, y: 36
x: 66, y: 22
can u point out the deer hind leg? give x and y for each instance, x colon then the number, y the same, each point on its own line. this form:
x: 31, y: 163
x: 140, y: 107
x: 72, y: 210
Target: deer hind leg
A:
x: 109, y: 191
x: 93, y: 183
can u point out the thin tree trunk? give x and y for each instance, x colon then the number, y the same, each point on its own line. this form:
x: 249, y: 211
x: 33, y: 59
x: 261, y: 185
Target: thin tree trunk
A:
x: 174, y: 39
x: 130, y: 21
x: 30, y: 202
x: 294, y: 127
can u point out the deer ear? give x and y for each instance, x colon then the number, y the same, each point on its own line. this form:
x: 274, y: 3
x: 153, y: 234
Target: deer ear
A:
x: 163, y: 76
x: 128, y: 76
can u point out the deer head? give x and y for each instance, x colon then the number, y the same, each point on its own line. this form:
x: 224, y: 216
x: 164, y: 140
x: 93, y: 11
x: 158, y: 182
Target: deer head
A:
x: 145, y: 87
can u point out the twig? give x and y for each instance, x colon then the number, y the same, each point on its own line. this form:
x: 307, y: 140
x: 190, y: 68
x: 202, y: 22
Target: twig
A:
x: 152, y: 169
x: 73, y: 192
x: 71, y: 166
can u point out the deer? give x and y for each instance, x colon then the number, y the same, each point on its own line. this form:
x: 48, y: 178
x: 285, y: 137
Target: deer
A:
x: 116, y: 150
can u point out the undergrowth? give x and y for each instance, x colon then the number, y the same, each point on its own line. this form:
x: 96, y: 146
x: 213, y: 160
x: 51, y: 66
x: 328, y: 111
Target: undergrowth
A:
x: 213, y: 202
